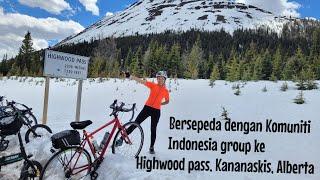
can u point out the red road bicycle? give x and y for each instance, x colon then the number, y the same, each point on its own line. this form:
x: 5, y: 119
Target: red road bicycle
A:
x: 74, y: 162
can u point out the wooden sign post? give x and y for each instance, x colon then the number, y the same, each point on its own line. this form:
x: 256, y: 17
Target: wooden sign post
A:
x: 64, y: 65
x: 46, y: 101
x: 79, y: 100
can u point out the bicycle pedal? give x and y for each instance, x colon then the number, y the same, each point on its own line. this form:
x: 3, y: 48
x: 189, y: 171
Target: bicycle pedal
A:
x: 29, y: 156
x: 94, y: 175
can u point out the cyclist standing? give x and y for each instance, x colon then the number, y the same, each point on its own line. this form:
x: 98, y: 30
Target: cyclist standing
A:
x: 158, y: 93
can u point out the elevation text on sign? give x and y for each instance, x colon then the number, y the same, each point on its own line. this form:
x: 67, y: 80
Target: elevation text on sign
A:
x: 58, y: 64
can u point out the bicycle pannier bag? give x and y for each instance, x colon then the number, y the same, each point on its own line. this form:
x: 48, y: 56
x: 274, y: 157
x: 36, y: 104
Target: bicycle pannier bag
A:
x: 10, y: 125
x: 65, y: 139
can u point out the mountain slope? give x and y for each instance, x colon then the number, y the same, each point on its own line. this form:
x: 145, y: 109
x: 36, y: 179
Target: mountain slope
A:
x: 156, y: 16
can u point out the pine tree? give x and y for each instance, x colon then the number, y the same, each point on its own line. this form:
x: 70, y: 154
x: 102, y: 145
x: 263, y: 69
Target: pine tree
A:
x: 215, y: 75
x: 95, y: 68
x: 266, y: 65
x: 258, y: 69
x: 300, y: 61
x: 315, y: 47
x: 233, y: 68
x: 290, y: 69
x: 14, y: 71
x: 251, y: 52
x: 310, y: 78
x: 193, y: 60
x: 247, y: 74
x: 136, y: 66
x: 276, y: 66
x: 300, y: 99
x: 221, y: 66
x: 26, y: 51
x: 116, y: 70
x: 3, y: 65
x: 146, y: 62
x: 175, y: 61
x: 128, y: 59
x: 264, y: 89
x: 161, y: 58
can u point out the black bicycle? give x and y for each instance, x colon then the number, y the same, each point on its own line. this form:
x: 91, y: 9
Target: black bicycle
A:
x: 11, y: 125
x: 35, y: 130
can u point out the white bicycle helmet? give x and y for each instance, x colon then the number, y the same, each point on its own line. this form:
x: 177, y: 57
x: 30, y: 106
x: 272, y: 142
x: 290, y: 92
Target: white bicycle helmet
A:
x: 162, y: 74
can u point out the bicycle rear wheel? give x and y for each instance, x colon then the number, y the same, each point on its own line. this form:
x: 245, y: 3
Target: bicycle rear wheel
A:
x: 71, y: 163
x: 132, y: 144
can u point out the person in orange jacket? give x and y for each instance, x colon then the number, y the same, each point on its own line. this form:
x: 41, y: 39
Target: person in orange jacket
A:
x: 159, y: 95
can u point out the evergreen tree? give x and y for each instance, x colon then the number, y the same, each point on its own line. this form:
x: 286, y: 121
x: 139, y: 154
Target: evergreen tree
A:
x: 106, y: 53
x: 25, y: 52
x: 175, y: 61
x: 96, y: 67
x: 136, y: 66
x: 276, y: 66
x: 128, y: 59
x: 258, y: 68
x: 147, y: 62
x: 193, y: 60
x: 315, y: 47
x: 300, y: 99
x: 233, y: 68
x: 247, y: 74
x: 116, y: 69
x: 215, y: 75
x: 311, y: 77
x: 3, y: 65
x: 300, y: 62
x: 287, y: 72
x: 251, y: 52
x: 266, y: 66
x: 221, y: 66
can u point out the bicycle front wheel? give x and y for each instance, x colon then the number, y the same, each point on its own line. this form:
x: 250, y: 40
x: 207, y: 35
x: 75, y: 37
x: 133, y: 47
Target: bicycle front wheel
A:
x: 30, y: 170
x: 71, y: 163
x: 37, y: 131
x: 132, y: 144
x: 30, y: 119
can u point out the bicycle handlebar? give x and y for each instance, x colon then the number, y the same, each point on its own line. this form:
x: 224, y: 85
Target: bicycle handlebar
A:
x: 120, y: 108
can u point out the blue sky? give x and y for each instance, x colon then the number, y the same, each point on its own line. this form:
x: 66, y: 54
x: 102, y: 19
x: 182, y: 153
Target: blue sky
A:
x: 309, y: 8
x: 81, y: 15
x: 53, y: 20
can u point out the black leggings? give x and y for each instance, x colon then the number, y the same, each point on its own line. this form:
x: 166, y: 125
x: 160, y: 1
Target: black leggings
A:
x: 143, y: 115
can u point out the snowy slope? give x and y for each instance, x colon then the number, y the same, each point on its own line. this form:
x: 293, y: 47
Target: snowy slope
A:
x: 156, y: 16
x: 190, y: 99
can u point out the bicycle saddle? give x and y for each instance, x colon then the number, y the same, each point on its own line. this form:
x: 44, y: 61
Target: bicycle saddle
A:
x: 81, y: 124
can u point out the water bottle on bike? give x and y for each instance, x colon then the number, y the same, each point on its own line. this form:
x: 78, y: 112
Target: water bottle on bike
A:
x: 104, y: 140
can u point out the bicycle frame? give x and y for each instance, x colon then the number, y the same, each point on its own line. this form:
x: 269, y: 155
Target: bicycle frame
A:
x: 86, y: 139
x: 5, y: 160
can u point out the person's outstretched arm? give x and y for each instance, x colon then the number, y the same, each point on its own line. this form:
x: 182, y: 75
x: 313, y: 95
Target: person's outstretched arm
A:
x: 139, y: 80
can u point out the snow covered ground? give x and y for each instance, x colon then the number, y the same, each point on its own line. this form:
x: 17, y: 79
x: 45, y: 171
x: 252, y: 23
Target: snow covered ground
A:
x: 190, y: 99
